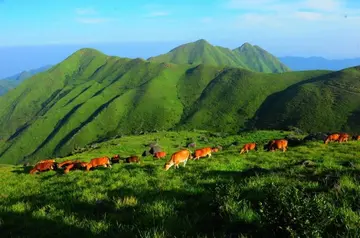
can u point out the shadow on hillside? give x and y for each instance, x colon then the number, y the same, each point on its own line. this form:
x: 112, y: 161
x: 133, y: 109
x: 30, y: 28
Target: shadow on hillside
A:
x: 26, y: 225
x: 26, y: 170
x: 132, y: 211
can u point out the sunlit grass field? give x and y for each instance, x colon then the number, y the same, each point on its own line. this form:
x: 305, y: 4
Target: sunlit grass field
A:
x: 312, y: 190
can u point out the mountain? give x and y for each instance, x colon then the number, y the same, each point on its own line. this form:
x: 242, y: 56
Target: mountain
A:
x: 330, y: 102
x: 311, y: 63
x: 202, y: 52
x: 12, y: 81
x: 90, y: 97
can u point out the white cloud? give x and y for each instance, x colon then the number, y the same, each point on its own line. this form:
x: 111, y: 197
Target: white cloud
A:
x: 310, y: 16
x: 85, y: 11
x: 93, y: 20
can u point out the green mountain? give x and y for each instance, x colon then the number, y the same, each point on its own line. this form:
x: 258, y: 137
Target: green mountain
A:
x: 202, y: 52
x: 12, y: 81
x: 327, y: 103
x: 91, y: 96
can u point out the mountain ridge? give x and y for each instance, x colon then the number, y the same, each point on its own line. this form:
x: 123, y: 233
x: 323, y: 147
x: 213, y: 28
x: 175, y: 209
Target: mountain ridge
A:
x: 201, y: 51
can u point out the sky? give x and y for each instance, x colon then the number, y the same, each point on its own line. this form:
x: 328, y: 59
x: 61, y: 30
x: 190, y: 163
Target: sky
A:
x: 327, y: 28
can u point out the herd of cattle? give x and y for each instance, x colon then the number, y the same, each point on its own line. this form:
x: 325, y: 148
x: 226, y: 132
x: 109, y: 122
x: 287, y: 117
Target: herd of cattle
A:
x: 178, y: 157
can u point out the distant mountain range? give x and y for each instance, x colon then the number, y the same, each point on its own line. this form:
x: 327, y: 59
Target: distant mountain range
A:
x: 12, y: 81
x: 314, y: 63
x: 246, y: 56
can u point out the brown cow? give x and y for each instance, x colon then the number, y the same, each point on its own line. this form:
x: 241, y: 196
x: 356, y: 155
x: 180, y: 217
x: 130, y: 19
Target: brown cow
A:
x: 40, y: 167
x: 66, y: 162
x: 159, y: 155
x: 344, y: 137
x: 75, y: 165
x: 115, y: 159
x: 202, y: 153
x: 280, y: 144
x: 181, y: 156
x: 132, y: 159
x: 247, y: 147
x: 332, y: 137
x: 103, y: 161
x: 46, y: 161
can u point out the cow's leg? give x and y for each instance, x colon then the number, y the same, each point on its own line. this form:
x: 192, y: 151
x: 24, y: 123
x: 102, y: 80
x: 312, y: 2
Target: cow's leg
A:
x: 209, y: 155
x: 185, y: 162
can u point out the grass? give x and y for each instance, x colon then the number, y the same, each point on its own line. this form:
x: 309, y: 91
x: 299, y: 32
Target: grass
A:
x: 260, y: 194
x: 246, y: 56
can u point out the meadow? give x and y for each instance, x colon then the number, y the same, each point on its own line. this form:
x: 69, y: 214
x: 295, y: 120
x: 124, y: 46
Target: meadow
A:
x: 309, y: 191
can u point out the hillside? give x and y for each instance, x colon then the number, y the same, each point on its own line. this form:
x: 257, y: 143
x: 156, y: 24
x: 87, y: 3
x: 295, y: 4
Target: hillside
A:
x: 311, y: 190
x: 327, y: 103
x: 202, y: 52
x: 12, y: 81
x: 312, y: 63
x: 90, y: 97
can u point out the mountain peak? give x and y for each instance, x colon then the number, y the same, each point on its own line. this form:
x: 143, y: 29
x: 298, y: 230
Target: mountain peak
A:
x: 202, y: 41
x: 244, y: 47
x: 87, y: 51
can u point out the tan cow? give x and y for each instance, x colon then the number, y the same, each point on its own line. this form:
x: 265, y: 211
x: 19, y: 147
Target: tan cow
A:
x: 332, y: 137
x: 178, y: 157
x: 44, y: 166
x: 103, y: 161
x: 199, y: 153
x: 247, y: 147
x: 280, y: 144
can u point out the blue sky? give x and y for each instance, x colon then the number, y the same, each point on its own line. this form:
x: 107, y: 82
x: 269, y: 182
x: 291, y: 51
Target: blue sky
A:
x: 283, y: 27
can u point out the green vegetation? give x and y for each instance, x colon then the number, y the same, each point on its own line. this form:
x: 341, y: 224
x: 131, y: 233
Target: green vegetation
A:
x: 328, y: 103
x: 90, y: 97
x: 202, y: 52
x: 309, y: 191
x: 12, y: 81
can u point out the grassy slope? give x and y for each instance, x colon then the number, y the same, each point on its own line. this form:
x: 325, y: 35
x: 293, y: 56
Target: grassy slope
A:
x: 330, y: 102
x: 259, y: 194
x: 201, y: 52
x: 233, y: 97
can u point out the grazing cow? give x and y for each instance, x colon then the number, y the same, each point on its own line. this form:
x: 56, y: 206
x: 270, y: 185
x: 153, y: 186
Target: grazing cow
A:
x: 332, y: 137
x: 103, y: 161
x: 344, y: 137
x: 46, y: 161
x: 181, y: 156
x: 40, y: 167
x: 247, y: 147
x: 115, y: 159
x: 280, y: 144
x: 160, y: 155
x: 67, y: 162
x: 356, y: 137
x: 202, y: 153
x: 132, y: 159
x: 75, y: 165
